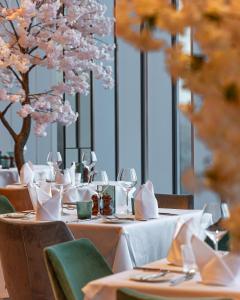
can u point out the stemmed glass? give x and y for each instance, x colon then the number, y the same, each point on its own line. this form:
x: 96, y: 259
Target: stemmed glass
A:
x: 100, y: 179
x: 216, y: 232
x: 54, y: 160
x: 127, y: 179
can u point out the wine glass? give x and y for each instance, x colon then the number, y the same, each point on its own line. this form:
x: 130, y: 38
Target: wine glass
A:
x: 127, y: 179
x: 54, y: 160
x: 216, y: 232
x: 100, y: 180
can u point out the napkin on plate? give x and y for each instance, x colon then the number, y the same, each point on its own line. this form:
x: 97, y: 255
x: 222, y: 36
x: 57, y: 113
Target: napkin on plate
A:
x: 145, y: 204
x: 214, y: 268
x: 71, y: 195
x: 183, y: 234
x: 27, y: 173
x: 46, y: 202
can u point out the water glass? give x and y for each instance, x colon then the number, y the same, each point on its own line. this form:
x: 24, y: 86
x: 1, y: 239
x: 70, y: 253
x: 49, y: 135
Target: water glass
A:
x: 84, y: 209
x: 78, y: 179
x: 188, y: 258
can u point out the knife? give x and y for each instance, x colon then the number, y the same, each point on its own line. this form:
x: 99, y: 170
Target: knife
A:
x: 158, y: 270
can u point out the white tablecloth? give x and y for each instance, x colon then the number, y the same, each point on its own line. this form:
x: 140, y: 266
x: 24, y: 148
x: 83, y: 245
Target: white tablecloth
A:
x: 106, y: 287
x: 135, y: 243
x: 10, y: 176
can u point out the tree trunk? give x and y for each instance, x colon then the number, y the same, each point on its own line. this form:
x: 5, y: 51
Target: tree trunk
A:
x: 22, y: 137
x: 20, y: 142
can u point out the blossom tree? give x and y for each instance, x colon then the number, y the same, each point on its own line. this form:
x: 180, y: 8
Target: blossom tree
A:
x: 63, y: 35
x: 213, y: 74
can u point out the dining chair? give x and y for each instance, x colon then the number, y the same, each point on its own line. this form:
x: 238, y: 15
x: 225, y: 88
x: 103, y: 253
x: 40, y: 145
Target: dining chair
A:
x: 5, y: 206
x: 129, y: 294
x: 18, y: 197
x: 72, y: 265
x: 175, y: 201
x: 21, y: 250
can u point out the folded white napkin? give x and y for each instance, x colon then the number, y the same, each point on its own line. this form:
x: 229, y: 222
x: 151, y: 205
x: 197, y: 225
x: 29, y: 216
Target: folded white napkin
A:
x: 213, y: 268
x: 182, y: 236
x: 86, y: 192
x: 46, y: 201
x: 71, y: 195
x: 64, y: 178
x: 184, y: 230
x: 26, y: 173
x: 72, y: 171
x: 33, y: 195
x: 145, y: 204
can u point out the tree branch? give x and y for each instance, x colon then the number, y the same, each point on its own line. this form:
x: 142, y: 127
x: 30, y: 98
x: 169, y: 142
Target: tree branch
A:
x: 7, y: 108
x: 16, y: 75
x: 8, y: 127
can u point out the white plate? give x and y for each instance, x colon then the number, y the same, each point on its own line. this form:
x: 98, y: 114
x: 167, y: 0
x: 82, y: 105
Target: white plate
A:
x: 17, y: 215
x: 140, y: 277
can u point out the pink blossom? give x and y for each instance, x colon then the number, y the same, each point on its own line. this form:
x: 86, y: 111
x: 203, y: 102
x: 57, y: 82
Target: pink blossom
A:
x: 3, y: 95
x: 69, y: 43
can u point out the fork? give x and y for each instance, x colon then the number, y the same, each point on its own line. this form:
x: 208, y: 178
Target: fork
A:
x: 187, y: 276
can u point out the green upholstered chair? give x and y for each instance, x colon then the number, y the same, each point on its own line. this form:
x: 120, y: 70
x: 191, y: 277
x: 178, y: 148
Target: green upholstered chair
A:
x: 5, y: 206
x: 72, y: 265
x: 128, y: 294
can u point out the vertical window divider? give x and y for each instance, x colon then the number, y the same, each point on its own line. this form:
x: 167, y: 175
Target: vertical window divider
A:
x: 144, y: 116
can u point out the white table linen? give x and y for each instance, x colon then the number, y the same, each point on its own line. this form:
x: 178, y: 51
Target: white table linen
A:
x: 136, y: 242
x: 106, y: 287
x: 10, y: 176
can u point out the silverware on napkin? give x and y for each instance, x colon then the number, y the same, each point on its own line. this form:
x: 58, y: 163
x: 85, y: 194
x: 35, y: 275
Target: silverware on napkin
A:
x: 187, y: 276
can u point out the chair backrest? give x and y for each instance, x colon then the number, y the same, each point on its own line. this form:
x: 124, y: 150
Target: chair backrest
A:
x: 18, y: 197
x: 21, y: 250
x: 128, y: 294
x: 5, y: 205
x: 72, y: 265
x: 175, y: 201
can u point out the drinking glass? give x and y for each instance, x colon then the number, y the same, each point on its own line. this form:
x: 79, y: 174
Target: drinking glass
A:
x: 215, y: 234
x: 54, y: 160
x: 188, y: 258
x: 100, y: 179
x: 84, y: 209
x: 127, y: 179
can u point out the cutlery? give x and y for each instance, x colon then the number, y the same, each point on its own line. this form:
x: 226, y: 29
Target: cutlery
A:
x: 120, y: 218
x: 158, y: 269
x: 153, y: 276
x: 187, y: 276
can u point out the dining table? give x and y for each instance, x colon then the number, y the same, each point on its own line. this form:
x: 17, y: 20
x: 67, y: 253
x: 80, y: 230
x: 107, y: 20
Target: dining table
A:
x: 106, y: 287
x: 10, y: 176
x: 125, y: 242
